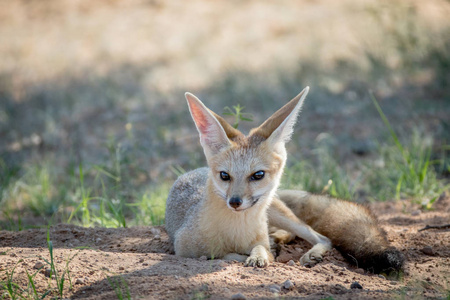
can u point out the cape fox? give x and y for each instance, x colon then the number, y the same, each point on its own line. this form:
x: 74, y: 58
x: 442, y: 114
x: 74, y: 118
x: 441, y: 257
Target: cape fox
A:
x: 226, y: 210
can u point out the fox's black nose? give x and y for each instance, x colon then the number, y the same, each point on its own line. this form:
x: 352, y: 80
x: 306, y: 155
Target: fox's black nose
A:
x: 235, y: 202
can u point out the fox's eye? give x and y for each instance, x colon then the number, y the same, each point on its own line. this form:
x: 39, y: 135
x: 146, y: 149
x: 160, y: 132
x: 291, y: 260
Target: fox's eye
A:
x: 224, y: 176
x: 257, y: 176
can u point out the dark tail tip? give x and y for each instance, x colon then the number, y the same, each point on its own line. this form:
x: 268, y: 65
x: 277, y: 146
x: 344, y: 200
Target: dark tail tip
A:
x: 390, y: 260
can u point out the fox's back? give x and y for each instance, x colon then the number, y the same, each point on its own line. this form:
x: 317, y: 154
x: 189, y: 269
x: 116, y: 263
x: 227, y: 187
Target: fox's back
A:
x: 185, y: 196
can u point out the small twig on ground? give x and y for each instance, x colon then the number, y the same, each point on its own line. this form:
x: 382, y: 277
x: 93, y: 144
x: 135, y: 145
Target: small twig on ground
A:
x: 445, y: 226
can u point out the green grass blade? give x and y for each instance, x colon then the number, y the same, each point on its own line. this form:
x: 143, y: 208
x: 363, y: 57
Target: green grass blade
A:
x: 387, y: 124
x: 33, y: 286
x: 398, y: 188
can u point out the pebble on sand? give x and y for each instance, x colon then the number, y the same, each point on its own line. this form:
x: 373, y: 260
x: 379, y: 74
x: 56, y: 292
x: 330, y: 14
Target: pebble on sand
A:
x: 238, y: 296
x: 428, y: 250
x: 288, y: 285
x: 274, y: 288
x: 356, y: 285
x: 38, y: 265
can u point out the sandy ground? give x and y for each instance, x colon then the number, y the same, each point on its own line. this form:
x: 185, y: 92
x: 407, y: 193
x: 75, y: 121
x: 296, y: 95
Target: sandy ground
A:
x: 141, y: 257
x: 153, y: 47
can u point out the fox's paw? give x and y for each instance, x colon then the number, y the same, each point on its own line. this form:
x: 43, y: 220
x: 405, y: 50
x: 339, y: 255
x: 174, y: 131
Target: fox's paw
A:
x: 280, y: 236
x: 314, y: 255
x: 311, y: 258
x: 256, y: 261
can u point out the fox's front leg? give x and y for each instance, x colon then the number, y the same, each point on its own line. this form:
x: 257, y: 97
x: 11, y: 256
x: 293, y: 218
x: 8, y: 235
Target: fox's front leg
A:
x: 260, y: 255
x: 282, y: 217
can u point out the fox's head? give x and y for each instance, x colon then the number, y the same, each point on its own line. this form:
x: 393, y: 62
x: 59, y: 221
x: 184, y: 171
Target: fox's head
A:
x: 246, y: 170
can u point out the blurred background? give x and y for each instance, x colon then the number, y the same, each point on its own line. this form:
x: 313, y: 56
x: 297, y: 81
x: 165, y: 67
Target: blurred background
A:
x: 94, y: 127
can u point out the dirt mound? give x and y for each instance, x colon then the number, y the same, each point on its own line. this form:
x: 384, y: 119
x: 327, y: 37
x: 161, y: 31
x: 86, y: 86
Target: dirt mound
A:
x: 103, y: 262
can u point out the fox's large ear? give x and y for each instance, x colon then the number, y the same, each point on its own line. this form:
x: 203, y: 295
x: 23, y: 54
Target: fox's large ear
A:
x: 279, y: 127
x: 230, y: 131
x: 213, y: 136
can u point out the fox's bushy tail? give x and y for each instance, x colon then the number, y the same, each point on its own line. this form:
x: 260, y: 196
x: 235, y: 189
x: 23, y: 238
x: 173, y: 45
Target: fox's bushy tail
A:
x: 351, y: 227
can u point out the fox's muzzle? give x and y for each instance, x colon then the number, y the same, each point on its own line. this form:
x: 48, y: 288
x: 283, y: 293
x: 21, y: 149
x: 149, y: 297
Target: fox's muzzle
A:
x: 235, y: 202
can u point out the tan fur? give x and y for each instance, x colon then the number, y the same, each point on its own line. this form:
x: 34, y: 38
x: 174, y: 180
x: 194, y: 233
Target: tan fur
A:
x: 282, y: 217
x: 229, y: 130
x: 228, y: 217
x: 351, y: 227
x: 200, y: 218
x: 333, y: 217
x: 272, y: 123
x: 226, y: 236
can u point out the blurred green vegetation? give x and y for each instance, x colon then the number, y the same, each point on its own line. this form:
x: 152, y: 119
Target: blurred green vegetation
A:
x: 102, y: 148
